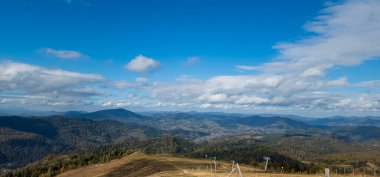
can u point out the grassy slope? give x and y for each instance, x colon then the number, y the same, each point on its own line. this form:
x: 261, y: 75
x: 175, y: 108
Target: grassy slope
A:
x: 138, y: 164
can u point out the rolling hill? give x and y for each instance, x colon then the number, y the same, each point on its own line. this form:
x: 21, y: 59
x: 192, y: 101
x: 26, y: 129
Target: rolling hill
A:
x: 114, y: 114
x: 23, y: 140
x: 346, y: 121
x: 201, y: 122
x: 157, y: 153
x: 27, y: 139
x: 273, y: 123
x: 138, y: 164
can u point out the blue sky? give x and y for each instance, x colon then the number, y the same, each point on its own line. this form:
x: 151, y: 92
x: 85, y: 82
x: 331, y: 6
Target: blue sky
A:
x: 169, y: 31
x: 300, y: 57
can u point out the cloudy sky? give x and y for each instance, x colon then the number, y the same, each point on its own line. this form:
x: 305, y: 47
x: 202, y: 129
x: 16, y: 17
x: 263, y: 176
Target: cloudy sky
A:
x: 311, y: 58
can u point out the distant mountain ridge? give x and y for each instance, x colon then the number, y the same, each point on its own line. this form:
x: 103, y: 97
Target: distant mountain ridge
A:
x: 217, y: 122
x: 346, y: 121
x: 19, y: 136
x: 204, y: 122
x: 277, y: 122
x: 120, y: 114
x: 114, y: 114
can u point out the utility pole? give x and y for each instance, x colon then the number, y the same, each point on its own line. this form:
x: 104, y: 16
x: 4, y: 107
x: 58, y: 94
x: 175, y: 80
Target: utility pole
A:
x: 211, y: 167
x: 215, y: 165
x: 266, y: 163
x: 237, y: 165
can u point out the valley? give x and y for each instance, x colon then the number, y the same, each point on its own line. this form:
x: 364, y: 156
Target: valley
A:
x: 73, y: 140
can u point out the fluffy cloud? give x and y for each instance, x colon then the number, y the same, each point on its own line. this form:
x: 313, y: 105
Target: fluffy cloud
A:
x: 313, y: 72
x: 246, y: 68
x: 240, y: 90
x: 25, y: 84
x: 64, y: 54
x: 15, y: 76
x: 139, y: 83
x: 251, y: 100
x: 372, y: 83
x: 142, y: 64
x: 345, y: 34
x: 214, y: 98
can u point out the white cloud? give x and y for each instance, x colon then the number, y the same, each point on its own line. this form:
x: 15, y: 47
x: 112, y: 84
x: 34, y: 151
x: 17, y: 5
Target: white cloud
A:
x: 23, y: 84
x: 345, y: 34
x: 142, y: 64
x: 371, y: 83
x: 121, y: 84
x: 141, y: 80
x: 251, y: 100
x: 313, y: 72
x: 106, y: 104
x: 246, y: 68
x: 16, y: 76
x: 64, y: 54
x: 338, y: 82
x: 139, y: 83
x: 214, y: 98
x: 253, y: 90
x: 191, y: 61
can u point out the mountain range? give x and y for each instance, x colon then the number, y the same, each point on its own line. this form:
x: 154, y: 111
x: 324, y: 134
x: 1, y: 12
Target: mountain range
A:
x: 26, y: 139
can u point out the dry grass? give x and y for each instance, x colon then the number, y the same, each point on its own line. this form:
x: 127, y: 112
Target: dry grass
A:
x: 138, y: 165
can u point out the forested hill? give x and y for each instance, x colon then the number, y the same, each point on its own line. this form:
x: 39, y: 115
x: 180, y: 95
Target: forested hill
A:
x: 26, y: 139
x: 204, y: 122
x: 176, y: 146
x: 114, y: 114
